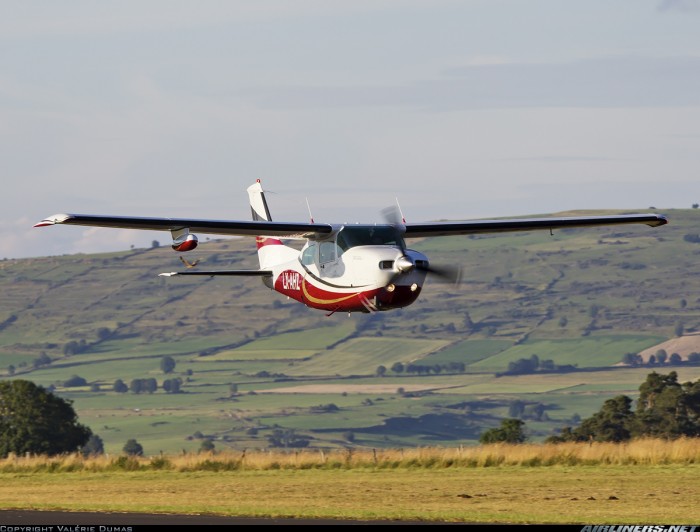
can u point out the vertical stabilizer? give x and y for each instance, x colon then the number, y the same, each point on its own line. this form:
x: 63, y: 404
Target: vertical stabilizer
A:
x: 258, y: 205
x: 271, y: 251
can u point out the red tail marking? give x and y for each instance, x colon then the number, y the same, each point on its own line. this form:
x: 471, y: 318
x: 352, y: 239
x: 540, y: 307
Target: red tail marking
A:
x: 265, y: 241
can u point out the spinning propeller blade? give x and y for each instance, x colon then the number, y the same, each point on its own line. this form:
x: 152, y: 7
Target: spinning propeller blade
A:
x: 452, y: 274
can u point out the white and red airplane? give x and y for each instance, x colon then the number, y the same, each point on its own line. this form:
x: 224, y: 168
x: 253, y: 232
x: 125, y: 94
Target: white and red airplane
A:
x: 341, y: 267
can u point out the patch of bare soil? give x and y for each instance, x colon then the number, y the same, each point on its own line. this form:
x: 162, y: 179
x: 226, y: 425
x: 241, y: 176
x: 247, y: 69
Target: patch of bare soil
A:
x: 683, y: 345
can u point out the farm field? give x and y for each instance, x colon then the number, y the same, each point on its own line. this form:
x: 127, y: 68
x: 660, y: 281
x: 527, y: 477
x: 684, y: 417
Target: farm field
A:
x: 252, y: 364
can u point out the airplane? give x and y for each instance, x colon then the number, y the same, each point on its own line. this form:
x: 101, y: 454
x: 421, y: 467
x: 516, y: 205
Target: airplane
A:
x: 341, y: 267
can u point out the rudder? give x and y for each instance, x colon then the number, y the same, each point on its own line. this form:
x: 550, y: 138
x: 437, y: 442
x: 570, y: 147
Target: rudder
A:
x: 268, y: 252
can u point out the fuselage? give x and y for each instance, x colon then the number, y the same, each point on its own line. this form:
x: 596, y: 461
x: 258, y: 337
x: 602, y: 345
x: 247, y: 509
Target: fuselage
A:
x: 357, y: 269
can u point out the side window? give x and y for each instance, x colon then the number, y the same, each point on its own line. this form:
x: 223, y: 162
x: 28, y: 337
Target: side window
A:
x: 309, y: 254
x: 326, y: 252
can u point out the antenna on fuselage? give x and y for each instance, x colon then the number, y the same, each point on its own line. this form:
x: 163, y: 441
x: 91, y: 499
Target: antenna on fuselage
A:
x: 311, y: 216
x: 403, y: 218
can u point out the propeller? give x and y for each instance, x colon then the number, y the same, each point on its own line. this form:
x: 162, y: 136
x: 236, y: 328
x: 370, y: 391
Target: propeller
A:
x: 393, y: 215
x: 404, y: 263
x: 451, y: 274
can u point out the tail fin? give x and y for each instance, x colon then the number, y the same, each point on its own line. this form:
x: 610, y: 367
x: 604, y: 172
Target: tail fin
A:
x: 257, y: 202
x: 268, y: 251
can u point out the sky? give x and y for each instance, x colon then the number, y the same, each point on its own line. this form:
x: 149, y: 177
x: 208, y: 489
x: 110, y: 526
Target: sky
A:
x: 458, y: 109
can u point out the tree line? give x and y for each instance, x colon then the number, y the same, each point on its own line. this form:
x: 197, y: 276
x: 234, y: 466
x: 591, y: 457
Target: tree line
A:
x: 665, y: 408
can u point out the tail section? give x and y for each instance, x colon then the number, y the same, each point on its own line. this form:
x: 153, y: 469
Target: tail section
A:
x: 271, y: 250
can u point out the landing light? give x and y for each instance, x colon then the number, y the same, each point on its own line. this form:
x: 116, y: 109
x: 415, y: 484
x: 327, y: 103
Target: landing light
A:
x: 414, y: 287
x: 390, y: 288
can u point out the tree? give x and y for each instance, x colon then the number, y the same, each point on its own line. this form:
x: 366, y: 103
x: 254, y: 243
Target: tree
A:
x: 613, y: 423
x: 397, y: 367
x: 523, y: 365
x: 632, y: 359
x: 74, y: 380
x: 381, y: 371
x: 510, y: 431
x: 33, y: 420
x: 667, y: 408
x: 150, y: 385
x: 42, y: 360
x: 167, y: 364
x: 286, y: 438
x: 133, y: 448
x: 172, y: 385
x: 120, y: 386
x: 94, y: 446
x: 206, y: 446
x: 679, y: 329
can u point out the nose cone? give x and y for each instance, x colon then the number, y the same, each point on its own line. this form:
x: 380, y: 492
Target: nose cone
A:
x: 404, y: 264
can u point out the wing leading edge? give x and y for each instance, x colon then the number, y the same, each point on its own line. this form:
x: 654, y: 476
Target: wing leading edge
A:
x: 216, y: 227
x: 415, y: 230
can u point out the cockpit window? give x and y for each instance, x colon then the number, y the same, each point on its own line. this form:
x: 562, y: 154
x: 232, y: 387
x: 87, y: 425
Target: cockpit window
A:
x: 368, y: 235
x: 327, y: 252
x: 308, y: 256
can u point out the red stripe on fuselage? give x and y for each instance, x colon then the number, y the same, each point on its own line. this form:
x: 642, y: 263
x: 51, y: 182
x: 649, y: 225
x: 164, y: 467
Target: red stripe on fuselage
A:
x: 292, y: 284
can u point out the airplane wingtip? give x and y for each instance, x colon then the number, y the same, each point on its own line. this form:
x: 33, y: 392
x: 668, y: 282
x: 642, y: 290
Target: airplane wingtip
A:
x: 53, y: 220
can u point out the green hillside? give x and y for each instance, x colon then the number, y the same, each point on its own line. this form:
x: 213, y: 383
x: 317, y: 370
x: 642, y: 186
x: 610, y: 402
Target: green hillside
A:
x: 252, y: 362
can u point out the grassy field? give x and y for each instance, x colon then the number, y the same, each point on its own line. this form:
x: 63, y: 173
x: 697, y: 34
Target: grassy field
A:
x: 647, y: 481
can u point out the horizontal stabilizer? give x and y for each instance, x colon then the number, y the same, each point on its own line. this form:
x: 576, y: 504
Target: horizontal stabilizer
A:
x: 240, y: 273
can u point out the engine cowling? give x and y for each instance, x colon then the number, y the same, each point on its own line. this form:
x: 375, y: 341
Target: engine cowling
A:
x: 185, y: 242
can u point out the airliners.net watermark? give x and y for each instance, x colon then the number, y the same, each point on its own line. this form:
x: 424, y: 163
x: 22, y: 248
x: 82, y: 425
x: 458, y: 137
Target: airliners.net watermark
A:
x: 637, y: 528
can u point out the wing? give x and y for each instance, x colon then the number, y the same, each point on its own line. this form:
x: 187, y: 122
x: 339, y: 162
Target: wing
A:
x: 414, y: 230
x: 243, y: 273
x: 216, y: 227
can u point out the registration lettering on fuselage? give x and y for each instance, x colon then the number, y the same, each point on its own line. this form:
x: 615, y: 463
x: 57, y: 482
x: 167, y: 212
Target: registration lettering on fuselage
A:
x: 291, y: 280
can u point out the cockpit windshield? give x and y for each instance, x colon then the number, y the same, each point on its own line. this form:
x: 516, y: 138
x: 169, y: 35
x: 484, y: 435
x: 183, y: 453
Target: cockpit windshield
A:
x: 368, y: 235
x: 325, y: 251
